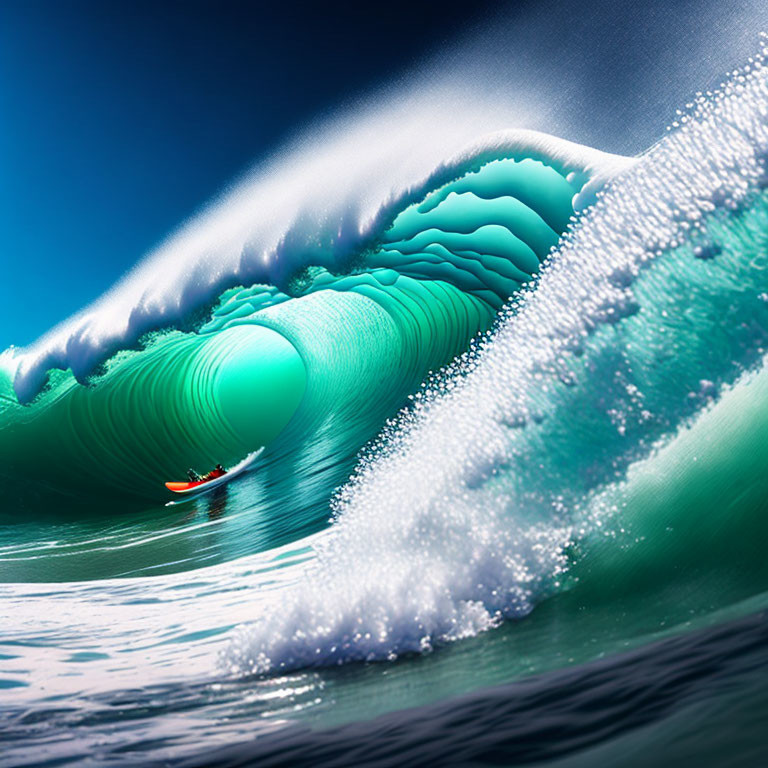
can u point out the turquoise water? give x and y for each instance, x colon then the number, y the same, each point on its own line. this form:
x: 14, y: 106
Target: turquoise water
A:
x: 585, y: 478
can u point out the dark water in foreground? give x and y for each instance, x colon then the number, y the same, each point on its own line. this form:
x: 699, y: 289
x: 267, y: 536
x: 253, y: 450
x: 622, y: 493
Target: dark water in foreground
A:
x: 699, y: 699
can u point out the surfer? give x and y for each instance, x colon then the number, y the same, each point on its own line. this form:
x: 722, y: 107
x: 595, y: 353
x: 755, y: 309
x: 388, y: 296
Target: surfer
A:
x: 217, y: 477
x: 217, y: 471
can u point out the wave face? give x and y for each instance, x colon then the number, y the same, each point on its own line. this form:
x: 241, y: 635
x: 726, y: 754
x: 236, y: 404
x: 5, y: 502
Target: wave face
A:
x: 323, y: 348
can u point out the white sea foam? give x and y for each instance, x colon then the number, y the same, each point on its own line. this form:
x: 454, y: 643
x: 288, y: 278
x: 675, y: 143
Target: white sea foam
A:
x: 465, y: 514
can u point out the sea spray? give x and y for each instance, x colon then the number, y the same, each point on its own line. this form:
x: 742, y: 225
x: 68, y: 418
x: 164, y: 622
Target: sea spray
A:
x: 464, y: 513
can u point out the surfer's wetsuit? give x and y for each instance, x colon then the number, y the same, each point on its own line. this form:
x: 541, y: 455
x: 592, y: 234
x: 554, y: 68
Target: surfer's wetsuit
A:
x: 218, y: 471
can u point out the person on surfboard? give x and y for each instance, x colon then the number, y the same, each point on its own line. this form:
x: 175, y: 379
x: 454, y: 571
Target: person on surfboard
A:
x: 217, y: 471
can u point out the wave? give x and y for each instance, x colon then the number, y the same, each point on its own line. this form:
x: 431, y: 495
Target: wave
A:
x: 472, y: 505
x: 594, y: 462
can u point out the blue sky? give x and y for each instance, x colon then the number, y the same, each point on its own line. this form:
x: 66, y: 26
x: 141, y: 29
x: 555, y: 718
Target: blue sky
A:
x: 118, y: 120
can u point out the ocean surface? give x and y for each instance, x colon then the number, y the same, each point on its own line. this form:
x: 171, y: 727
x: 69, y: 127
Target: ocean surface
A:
x: 511, y: 507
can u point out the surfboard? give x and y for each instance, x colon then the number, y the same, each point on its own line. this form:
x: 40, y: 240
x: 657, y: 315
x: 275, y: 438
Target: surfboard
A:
x: 203, y: 486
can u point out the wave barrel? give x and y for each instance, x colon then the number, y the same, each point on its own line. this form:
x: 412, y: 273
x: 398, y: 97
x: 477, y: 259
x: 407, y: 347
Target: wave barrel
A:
x: 185, y: 401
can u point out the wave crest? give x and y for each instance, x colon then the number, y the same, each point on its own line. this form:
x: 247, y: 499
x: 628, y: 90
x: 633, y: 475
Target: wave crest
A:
x: 321, y: 204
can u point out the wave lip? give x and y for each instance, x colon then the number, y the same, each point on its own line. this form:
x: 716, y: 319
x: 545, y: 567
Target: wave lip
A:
x: 321, y: 204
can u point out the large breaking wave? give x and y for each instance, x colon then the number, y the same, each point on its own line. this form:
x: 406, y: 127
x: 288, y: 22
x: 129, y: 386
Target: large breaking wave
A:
x: 598, y: 456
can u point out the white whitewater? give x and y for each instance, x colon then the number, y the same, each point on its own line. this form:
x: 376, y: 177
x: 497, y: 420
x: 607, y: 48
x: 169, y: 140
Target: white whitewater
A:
x: 464, y: 515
